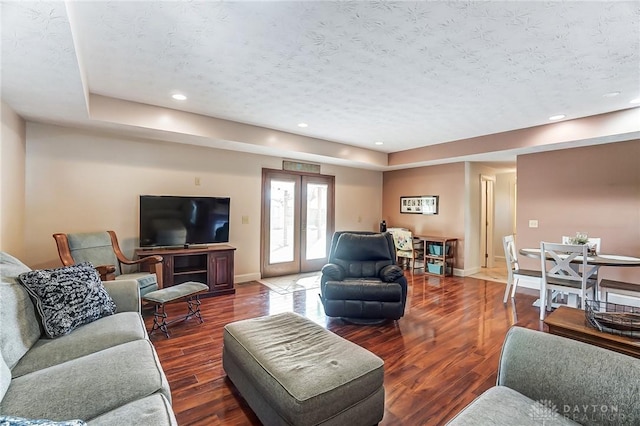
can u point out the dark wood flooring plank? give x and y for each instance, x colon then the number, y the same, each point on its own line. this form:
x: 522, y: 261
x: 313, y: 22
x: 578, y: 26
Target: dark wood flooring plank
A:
x: 439, y: 357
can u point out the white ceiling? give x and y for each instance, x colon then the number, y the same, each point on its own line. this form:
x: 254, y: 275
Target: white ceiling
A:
x: 409, y: 74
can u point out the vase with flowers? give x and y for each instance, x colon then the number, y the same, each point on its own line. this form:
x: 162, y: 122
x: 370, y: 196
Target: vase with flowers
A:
x: 583, y: 238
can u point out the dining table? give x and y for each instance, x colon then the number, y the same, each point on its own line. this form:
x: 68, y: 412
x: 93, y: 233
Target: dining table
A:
x: 596, y: 261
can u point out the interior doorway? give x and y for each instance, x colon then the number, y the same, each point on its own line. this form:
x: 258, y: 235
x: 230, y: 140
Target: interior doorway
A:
x: 297, y: 222
x: 487, y: 217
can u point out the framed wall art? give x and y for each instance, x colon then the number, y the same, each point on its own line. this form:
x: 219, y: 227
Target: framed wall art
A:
x: 421, y: 204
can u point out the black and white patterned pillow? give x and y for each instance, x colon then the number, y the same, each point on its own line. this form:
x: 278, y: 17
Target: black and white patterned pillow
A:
x: 19, y: 421
x: 68, y: 297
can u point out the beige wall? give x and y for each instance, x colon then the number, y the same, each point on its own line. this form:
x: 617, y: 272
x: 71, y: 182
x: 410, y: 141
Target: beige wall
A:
x: 448, y: 182
x: 458, y: 186
x: 12, y: 186
x: 591, y: 189
x: 82, y: 181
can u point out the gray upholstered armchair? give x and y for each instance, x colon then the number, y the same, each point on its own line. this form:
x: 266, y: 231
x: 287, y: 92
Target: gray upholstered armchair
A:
x: 361, y: 282
x: 103, y: 251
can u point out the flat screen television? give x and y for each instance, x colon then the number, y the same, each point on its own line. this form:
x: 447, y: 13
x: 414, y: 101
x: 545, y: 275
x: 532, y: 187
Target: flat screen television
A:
x: 167, y: 221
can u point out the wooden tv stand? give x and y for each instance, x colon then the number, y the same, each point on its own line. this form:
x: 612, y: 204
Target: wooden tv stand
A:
x: 211, y: 265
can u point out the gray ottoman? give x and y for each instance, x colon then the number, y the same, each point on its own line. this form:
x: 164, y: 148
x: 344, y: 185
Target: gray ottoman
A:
x: 292, y: 371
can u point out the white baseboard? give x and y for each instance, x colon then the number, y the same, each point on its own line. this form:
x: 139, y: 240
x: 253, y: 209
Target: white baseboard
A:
x: 246, y: 277
x: 466, y: 272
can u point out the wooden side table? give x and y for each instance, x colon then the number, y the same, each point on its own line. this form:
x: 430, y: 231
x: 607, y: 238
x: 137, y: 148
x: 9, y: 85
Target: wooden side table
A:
x: 572, y: 323
x: 439, y: 255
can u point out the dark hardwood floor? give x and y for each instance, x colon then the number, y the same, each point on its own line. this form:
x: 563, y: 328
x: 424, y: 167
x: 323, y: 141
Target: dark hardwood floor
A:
x: 441, y: 355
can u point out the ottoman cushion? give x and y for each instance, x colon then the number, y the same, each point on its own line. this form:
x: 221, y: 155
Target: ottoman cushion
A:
x: 306, y: 374
x: 169, y: 294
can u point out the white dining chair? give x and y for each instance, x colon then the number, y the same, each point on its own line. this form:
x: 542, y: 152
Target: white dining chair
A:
x: 596, y: 243
x: 558, y: 273
x: 514, y: 273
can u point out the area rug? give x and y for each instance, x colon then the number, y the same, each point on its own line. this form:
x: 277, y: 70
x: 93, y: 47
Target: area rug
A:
x: 290, y: 283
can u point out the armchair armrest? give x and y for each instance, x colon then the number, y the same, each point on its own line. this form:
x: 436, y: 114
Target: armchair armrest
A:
x: 333, y: 272
x: 151, y: 264
x: 391, y: 273
x: 147, y: 260
x: 125, y: 293
x: 568, y: 373
x: 107, y: 272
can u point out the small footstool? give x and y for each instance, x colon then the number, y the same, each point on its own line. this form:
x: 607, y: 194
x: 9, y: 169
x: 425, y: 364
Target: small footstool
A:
x: 189, y: 292
x: 291, y: 371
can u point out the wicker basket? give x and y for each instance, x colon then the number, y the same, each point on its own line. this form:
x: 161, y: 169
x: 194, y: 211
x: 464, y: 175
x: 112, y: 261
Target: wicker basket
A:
x: 614, y: 318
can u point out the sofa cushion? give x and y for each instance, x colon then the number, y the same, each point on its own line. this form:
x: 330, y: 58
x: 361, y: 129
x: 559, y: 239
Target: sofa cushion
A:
x: 580, y: 378
x: 502, y: 406
x: 68, y: 297
x: 19, y: 325
x: 89, y: 386
x: 153, y: 410
x: 146, y: 282
x: 5, y: 377
x: 101, y: 334
x: 21, y: 421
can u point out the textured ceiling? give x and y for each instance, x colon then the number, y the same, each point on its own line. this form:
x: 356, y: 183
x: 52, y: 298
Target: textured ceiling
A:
x: 408, y: 74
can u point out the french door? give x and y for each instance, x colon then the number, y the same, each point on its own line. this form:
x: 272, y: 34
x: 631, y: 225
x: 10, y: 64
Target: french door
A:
x: 297, y: 221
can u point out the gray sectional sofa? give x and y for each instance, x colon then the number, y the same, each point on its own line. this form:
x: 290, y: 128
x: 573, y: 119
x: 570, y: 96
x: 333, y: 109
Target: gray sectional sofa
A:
x: 105, y: 372
x: 545, y: 379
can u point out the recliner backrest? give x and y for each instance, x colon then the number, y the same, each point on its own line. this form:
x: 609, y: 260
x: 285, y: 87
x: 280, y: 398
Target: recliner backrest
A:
x: 94, y: 247
x: 363, y: 255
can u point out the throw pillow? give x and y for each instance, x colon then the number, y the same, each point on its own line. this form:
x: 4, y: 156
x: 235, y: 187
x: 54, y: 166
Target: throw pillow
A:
x: 19, y: 421
x: 68, y: 297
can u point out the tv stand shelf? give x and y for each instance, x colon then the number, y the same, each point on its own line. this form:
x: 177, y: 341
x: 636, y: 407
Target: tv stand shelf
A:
x: 211, y: 265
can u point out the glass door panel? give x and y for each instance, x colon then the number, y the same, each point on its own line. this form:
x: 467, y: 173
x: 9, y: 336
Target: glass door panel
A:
x: 317, y: 221
x: 281, y: 230
x: 297, y: 222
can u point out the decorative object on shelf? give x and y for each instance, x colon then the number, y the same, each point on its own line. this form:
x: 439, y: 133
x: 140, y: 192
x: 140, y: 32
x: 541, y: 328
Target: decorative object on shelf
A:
x: 614, y: 318
x: 422, y: 204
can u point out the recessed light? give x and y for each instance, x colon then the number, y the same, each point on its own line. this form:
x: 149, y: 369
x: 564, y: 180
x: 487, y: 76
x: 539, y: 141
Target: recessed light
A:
x: 635, y: 101
x: 179, y: 97
x: 557, y: 117
x: 610, y: 94
x: 379, y: 143
x: 303, y: 125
